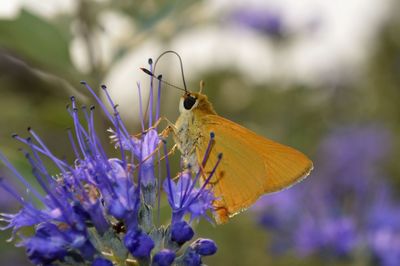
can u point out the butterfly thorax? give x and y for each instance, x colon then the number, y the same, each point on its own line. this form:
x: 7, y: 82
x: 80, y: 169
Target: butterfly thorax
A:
x: 187, y: 136
x: 188, y: 129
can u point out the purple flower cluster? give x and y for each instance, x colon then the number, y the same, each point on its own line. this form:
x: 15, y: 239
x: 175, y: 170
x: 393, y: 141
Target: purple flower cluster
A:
x: 347, y: 210
x: 99, y: 210
x: 268, y: 22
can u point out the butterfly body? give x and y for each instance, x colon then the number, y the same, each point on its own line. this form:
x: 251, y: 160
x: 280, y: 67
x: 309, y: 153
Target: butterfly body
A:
x: 251, y: 165
x: 188, y: 132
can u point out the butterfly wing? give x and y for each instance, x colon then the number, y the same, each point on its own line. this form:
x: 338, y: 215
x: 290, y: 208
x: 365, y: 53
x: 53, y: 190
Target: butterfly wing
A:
x: 251, y: 165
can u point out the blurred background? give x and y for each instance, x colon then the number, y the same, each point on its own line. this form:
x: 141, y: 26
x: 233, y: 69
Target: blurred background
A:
x: 321, y: 76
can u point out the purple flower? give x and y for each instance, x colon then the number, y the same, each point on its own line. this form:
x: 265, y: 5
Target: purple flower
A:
x: 164, y: 257
x: 346, y: 207
x: 184, y: 197
x: 138, y: 243
x: 27, y: 216
x: 85, y: 194
x: 150, y: 143
x: 47, y: 245
x: 98, y: 205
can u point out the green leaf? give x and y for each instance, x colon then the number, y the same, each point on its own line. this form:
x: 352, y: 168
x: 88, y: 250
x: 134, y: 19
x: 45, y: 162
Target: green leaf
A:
x: 36, y: 40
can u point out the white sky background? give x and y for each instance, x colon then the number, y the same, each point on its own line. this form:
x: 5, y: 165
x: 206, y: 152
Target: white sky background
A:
x: 337, y: 48
x: 9, y: 9
x: 342, y: 40
x: 344, y: 36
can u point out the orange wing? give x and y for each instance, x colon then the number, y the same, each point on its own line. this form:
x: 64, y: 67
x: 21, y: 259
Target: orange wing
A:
x: 251, y: 166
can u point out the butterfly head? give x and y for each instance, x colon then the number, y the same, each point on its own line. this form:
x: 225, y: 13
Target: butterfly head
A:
x: 195, y: 102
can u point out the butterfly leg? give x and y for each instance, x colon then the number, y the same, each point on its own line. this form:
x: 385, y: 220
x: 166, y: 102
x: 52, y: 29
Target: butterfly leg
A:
x: 155, y: 125
x: 172, y: 151
x: 166, y: 131
x: 170, y: 128
x: 163, y: 135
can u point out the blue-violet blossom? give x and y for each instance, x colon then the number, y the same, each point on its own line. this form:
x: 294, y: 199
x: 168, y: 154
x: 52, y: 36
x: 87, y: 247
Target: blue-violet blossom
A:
x: 348, y: 211
x: 98, y: 210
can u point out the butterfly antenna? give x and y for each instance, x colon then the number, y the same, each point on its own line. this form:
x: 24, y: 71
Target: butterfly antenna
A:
x: 159, y: 78
x: 148, y: 72
x: 180, y: 62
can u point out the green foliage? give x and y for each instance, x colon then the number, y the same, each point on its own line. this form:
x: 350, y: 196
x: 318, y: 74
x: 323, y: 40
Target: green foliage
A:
x: 36, y: 40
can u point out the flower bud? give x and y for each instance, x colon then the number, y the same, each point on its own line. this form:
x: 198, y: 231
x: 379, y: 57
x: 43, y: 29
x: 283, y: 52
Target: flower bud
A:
x: 101, y: 262
x: 138, y: 243
x: 181, y: 232
x: 164, y: 257
x: 191, y: 258
x: 204, y: 247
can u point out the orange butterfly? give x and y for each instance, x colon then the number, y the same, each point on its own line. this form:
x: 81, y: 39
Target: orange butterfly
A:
x: 251, y: 165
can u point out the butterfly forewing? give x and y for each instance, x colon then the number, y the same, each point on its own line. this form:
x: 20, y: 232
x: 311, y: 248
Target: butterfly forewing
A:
x: 251, y: 165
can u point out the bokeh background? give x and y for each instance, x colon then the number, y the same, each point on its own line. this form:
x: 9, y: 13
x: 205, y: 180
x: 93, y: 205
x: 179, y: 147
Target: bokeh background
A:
x: 321, y: 76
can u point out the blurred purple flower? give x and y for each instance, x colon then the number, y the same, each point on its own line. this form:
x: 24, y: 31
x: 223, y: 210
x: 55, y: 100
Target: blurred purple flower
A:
x: 384, y: 229
x: 269, y: 22
x: 336, y: 235
x: 346, y: 207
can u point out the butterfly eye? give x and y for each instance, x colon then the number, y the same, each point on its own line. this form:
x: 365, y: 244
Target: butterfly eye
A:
x: 188, y: 102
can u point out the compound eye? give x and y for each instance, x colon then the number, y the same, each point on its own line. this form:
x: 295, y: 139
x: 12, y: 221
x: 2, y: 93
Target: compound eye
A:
x: 188, y: 102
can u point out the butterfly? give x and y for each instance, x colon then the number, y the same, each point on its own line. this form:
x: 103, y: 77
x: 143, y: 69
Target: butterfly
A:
x: 251, y: 165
